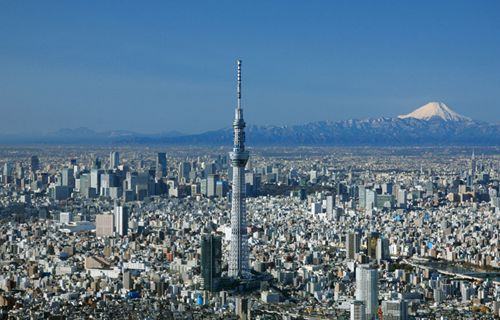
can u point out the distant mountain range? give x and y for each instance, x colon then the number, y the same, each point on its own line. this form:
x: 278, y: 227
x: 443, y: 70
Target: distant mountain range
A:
x: 432, y: 124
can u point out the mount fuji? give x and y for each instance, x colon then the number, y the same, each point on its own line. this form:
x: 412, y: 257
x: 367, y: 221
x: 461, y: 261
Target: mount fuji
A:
x: 437, y: 110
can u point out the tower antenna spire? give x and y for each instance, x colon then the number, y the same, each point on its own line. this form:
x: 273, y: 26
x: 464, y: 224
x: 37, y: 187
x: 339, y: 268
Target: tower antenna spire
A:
x: 239, y: 84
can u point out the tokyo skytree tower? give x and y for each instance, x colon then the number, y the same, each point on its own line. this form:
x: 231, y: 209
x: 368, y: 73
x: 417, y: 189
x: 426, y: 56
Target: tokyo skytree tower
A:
x: 238, y: 254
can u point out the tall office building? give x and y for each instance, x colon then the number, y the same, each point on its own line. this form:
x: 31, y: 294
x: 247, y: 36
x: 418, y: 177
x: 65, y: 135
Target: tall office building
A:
x: 362, y: 196
x: 95, y: 179
x: 367, y: 289
x: 221, y: 188
x: 121, y: 220
x: 68, y: 177
x: 114, y: 160
x: 238, y: 254
x: 211, y: 261
x: 161, y: 165
x: 369, y: 199
x: 382, y: 249
x: 212, y: 180
x: 330, y: 205
x: 8, y: 168
x: 353, y: 242
x: 96, y: 163
x: 184, y: 171
x: 19, y: 171
x: 371, y: 244
x: 35, y: 163
x: 402, y: 198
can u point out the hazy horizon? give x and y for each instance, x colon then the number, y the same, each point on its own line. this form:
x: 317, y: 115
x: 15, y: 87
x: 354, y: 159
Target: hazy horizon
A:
x: 169, y: 67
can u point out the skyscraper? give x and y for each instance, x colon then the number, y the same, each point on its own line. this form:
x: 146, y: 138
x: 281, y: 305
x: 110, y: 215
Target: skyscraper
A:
x: 96, y: 163
x: 238, y: 254
x: 367, y: 290
x: 212, y: 180
x: 184, y: 170
x: 121, y: 220
x: 114, y: 159
x: 371, y: 244
x: 330, y: 205
x: 382, y: 249
x: 353, y: 241
x: 68, y: 178
x: 7, y: 169
x: 35, y: 163
x: 211, y: 261
x: 161, y: 165
x: 95, y: 179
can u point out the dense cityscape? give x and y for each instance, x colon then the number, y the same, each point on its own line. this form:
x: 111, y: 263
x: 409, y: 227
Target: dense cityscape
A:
x: 286, y: 233
x: 406, y: 233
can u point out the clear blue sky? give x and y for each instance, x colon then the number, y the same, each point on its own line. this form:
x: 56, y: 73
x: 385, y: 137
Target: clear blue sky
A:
x: 169, y: 65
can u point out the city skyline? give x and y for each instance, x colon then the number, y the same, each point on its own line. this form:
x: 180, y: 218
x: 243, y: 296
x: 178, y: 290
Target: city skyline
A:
x: 139, y: 68
x: 362, y: 181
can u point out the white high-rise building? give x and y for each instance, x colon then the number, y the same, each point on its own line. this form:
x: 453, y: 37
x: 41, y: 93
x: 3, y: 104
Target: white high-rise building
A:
x: 330, y: 205
x: 367, y: 289
x: 370, y: 199
x: 121, y: 220
x: 238, y: 254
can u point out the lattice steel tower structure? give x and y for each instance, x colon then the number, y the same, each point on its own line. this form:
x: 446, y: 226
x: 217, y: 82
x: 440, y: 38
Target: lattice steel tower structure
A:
x: 238, y: 252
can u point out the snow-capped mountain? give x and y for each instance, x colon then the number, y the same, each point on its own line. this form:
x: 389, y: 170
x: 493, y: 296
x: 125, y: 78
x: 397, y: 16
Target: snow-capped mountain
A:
x: 433, y: 124
x: 435, y: 110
